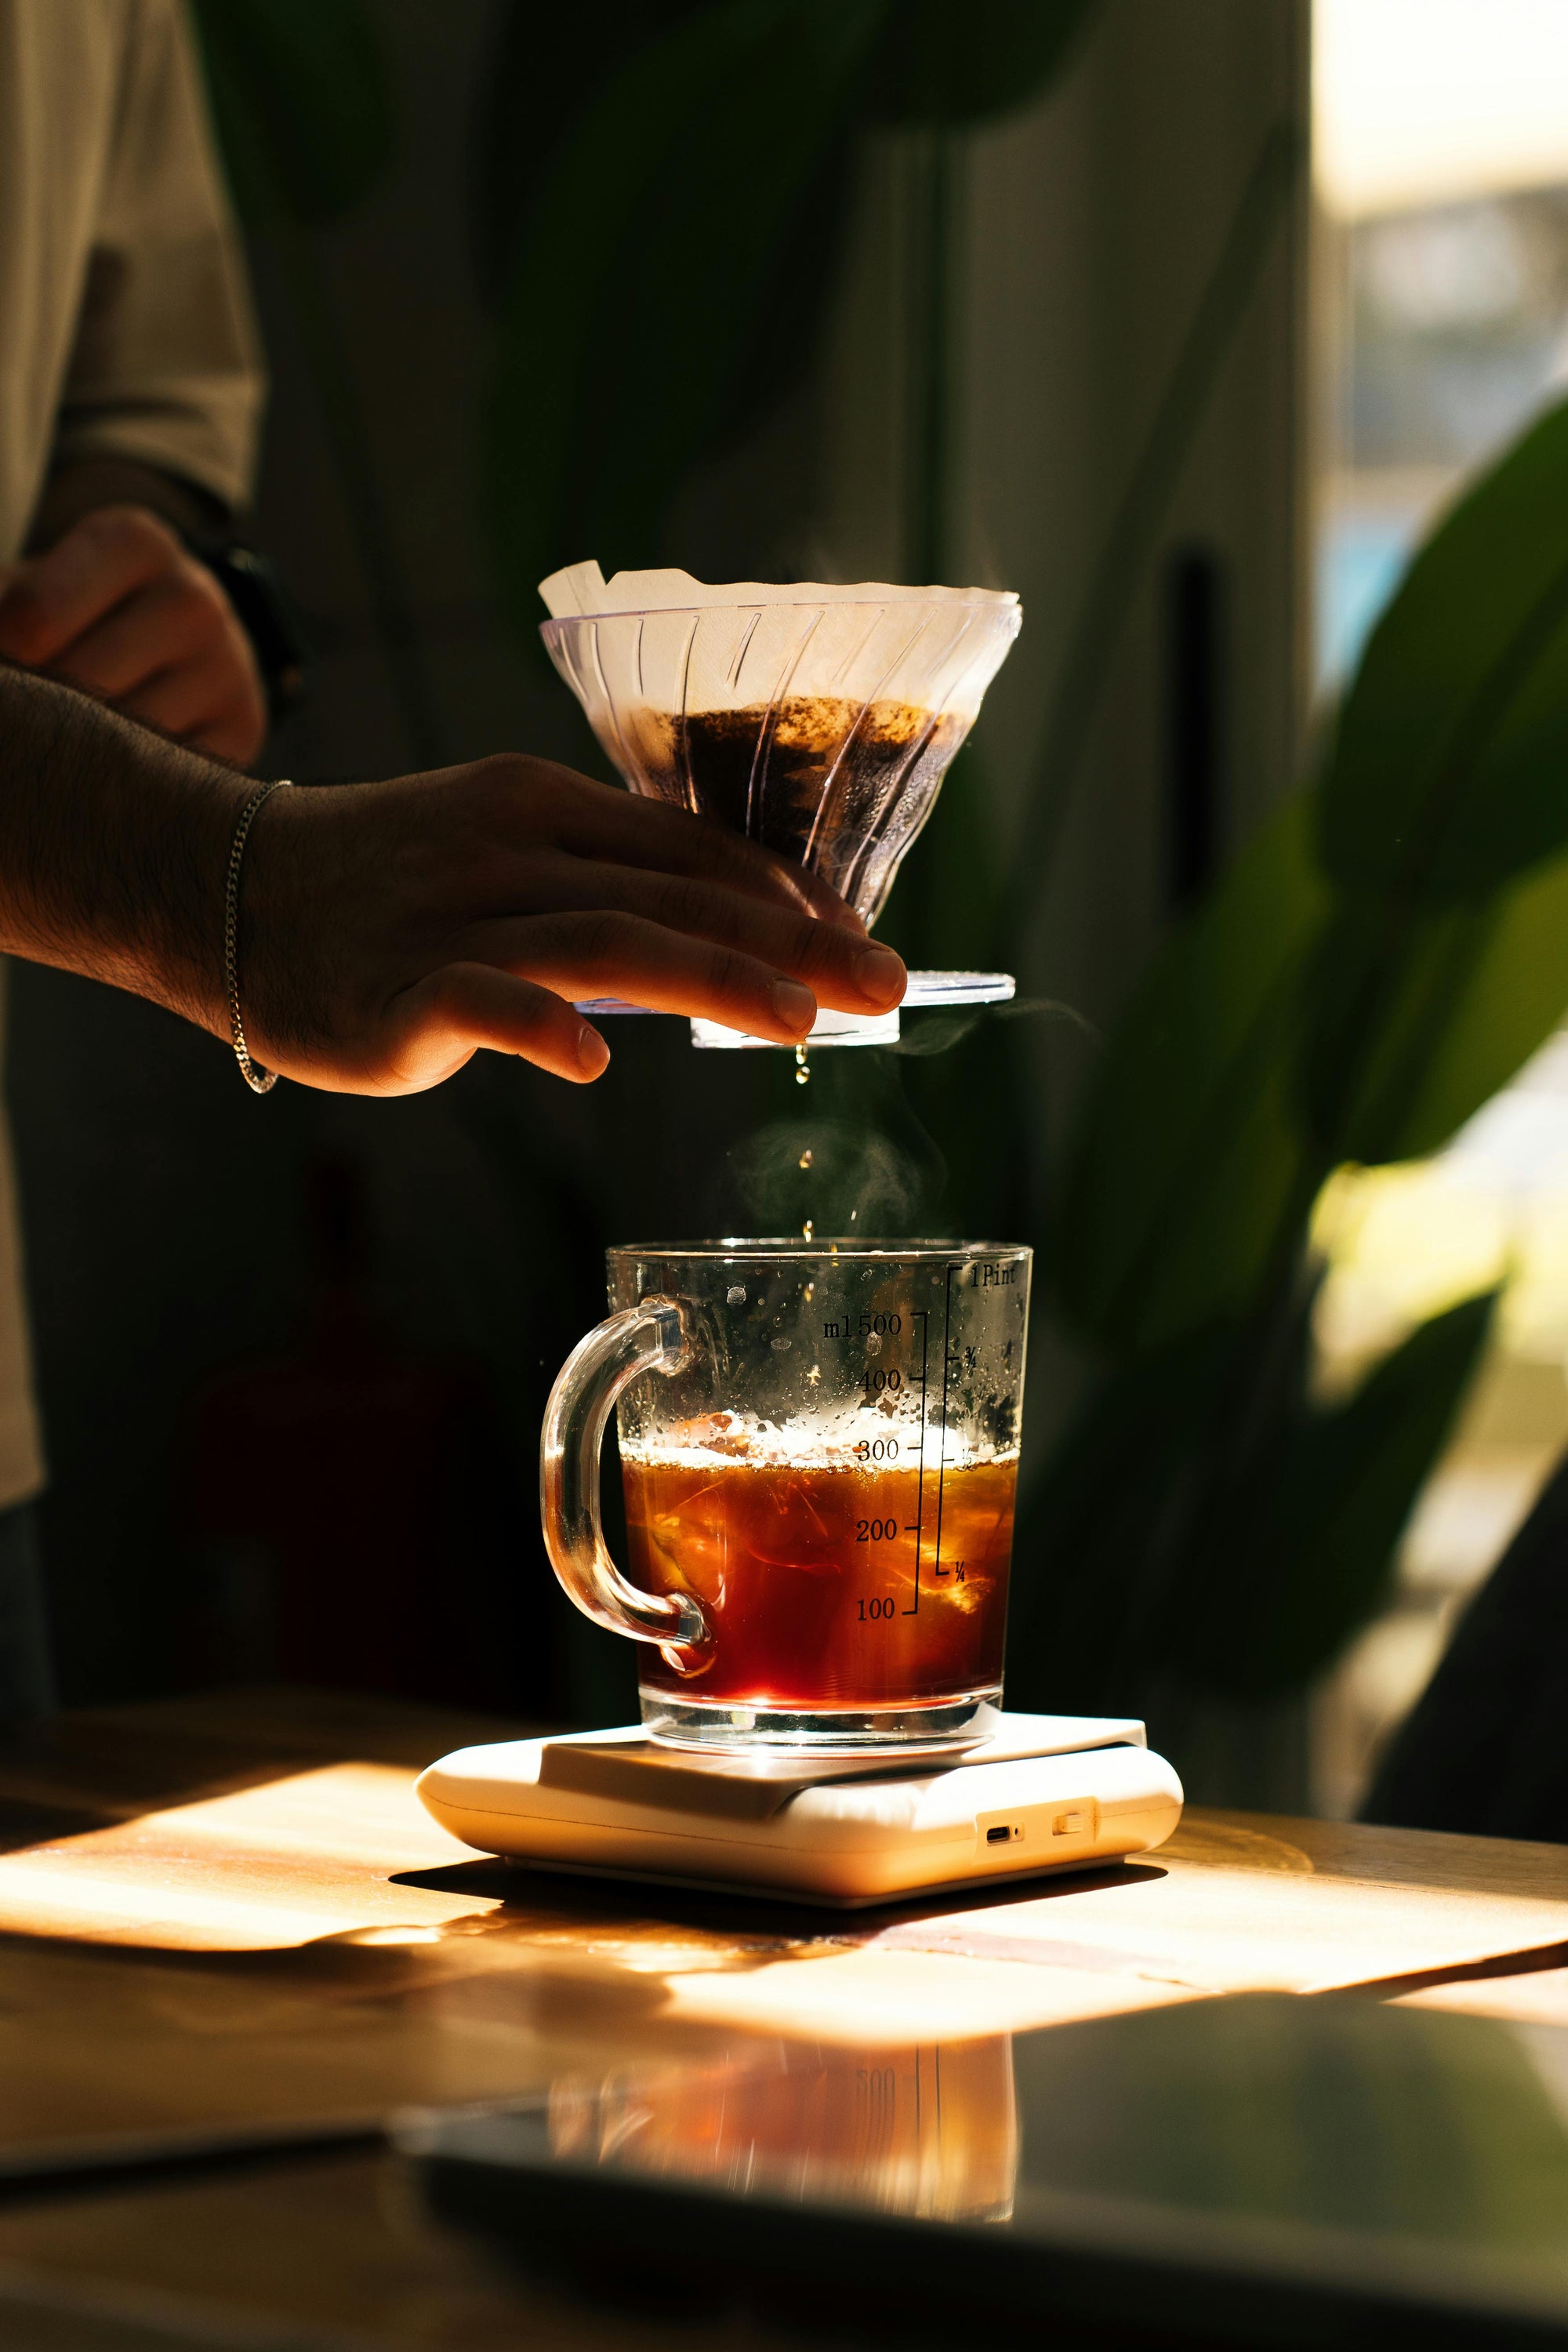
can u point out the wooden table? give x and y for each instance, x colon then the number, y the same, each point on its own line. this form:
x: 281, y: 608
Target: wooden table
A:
x: 230, y: 1920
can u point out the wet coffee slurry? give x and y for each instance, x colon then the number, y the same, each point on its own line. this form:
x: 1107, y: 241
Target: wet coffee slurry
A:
x: 821, y: 778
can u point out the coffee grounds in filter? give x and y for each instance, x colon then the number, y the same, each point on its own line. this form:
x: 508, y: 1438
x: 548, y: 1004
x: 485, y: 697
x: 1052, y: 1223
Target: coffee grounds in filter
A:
x: 821, y: 778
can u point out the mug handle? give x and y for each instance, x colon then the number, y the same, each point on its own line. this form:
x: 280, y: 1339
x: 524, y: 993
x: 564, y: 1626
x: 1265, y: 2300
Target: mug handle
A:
x: 649, y: 1338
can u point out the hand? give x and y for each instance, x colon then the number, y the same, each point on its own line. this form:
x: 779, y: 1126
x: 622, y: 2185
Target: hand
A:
x: 390, y: 929
x: 118, y: 606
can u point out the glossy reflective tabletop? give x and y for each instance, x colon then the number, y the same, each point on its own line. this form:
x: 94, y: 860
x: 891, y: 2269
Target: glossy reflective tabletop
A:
x: 1271, y: 2167
x: 230, y: 1920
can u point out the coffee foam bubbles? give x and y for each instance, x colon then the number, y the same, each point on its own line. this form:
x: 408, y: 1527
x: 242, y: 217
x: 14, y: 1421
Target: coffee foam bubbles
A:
x: 822, y: 1441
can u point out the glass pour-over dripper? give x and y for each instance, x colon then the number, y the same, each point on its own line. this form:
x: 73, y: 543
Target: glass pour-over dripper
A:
x: 818, y: 721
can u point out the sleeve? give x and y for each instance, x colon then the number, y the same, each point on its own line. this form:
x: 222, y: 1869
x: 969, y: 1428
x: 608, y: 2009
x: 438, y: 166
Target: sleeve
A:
x: 166, y: 365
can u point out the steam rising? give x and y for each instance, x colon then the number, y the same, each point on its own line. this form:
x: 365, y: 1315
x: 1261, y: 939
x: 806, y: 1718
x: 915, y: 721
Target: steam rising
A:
x: 938, y: 1032
x: 833, y: 1176
x: 856, y: 1162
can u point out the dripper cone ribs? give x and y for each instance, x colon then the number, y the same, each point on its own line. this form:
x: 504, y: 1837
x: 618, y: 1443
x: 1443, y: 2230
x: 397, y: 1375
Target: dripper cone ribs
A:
x: 819, y: 720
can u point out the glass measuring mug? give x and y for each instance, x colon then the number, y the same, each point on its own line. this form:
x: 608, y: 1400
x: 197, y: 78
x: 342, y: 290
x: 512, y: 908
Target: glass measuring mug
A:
x: 819, y: 1447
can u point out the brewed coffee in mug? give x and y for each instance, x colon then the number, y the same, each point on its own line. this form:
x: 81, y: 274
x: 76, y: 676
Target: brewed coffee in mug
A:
x: 819, y: 1447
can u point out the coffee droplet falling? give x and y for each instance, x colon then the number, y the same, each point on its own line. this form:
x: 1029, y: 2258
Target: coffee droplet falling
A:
x: 805, y: 1159
x: 809, y: 1230
x: 802, y: 1069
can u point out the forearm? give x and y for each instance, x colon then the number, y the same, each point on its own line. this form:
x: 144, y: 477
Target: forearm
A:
x: 113, y: 847
x: 389, y: 929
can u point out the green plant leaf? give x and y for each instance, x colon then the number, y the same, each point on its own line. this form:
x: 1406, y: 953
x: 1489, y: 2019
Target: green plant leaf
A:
x: 1093, y: 1534
x: 931, y: 68
x: 1449, y: 773
x: 545, y: 71
x: 645, y: 288
x: 675, y: 228
x: 1411, y: 1038
x: 302, y: 103
x: 1283, y: 1576
x: 1228, y: 1530
x: 1191, y: 1167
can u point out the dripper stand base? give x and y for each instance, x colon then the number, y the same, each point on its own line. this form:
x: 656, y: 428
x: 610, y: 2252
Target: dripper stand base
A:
x: 927, y: 990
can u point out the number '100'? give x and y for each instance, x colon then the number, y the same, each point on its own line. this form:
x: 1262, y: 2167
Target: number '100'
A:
x: 875, y: 1610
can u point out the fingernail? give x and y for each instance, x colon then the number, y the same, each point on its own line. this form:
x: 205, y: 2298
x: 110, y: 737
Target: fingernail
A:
x: 796, y: 1005
x: 880, y: 975
x: 593, y: 1054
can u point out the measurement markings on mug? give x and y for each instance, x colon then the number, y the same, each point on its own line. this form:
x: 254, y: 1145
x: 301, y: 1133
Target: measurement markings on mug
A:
x: 884, y: 1383
x: 947, y: 1366
x: 921, y: 1315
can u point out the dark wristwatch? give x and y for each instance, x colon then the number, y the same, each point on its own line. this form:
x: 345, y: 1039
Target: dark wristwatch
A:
x: 266, y: 613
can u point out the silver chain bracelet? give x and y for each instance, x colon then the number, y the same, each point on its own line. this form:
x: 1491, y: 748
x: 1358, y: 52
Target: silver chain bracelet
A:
x: 260, y: 1082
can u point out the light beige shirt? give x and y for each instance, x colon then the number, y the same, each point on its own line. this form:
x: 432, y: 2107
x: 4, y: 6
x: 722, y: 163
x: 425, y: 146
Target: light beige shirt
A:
x: 125, y: 331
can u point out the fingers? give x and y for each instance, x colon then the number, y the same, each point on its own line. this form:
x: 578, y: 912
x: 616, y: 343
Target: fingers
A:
x: 174, y: 655
x: 842, y: 968
x: 435, y: 1027
x: 57, y: 595
x: 119, y: 608
x: 166, y: 624
x: 614, y: 954
x: 598, y: 821
x: 208, y: 695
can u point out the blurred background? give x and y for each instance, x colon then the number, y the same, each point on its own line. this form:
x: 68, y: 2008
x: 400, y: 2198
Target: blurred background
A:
x: 1188, y: 324
x: 1441, y: 172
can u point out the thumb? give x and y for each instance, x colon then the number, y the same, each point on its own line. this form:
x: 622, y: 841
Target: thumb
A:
x: 436, y: 1024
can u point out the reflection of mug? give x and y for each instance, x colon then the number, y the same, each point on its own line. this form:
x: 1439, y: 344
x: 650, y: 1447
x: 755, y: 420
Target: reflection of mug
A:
x: 932, y: 2131
x: 819, y: 1489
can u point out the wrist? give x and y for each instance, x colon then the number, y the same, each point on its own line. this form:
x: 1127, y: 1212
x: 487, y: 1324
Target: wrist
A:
x: 259, y: 1080
x: 166, y: 915
x: 266, y: 613
x: 290, y: 943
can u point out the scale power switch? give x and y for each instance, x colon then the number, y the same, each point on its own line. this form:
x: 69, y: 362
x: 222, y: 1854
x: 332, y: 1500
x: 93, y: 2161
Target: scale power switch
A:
x: 1039, y: 1825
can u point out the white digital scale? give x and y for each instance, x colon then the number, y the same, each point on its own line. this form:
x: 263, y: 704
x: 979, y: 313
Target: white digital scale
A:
x: 1033, y: 1792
